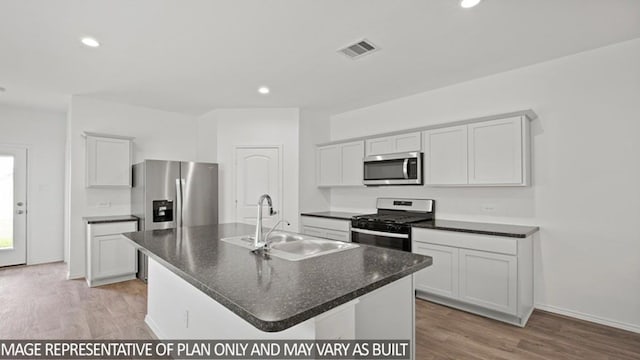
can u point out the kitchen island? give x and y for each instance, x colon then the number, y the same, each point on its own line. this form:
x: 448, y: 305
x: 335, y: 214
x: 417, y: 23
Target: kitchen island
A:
x: 202, y: 287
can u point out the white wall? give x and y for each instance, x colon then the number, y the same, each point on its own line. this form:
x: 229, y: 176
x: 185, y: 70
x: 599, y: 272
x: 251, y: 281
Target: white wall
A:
x: 257, y: 127
x: 207, y: 137
x: 43, y: 133
x: 158, y: 135
x: 314, y: 129
x: 586, y: 173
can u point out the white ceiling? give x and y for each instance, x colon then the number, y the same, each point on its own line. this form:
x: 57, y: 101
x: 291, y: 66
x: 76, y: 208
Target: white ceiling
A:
x: 197, y: 55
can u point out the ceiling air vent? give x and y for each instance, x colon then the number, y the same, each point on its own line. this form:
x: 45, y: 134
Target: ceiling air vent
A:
x: 358, y: 49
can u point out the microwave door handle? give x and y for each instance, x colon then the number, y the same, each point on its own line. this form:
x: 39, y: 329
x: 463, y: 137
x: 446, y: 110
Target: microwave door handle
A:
x: 405, y: 168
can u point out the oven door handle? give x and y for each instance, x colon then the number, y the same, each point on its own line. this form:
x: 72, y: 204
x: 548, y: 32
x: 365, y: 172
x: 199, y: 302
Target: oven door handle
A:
x: 380, y: 233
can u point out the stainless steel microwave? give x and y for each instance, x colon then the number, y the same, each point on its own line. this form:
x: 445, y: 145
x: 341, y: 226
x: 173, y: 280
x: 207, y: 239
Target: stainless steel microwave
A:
x: 393, y: 169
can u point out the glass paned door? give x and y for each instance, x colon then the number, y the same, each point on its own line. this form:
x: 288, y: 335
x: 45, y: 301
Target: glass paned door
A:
x: 13, y: 205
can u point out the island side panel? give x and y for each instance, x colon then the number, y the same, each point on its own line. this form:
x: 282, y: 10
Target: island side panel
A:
x: 388, y: 313
x: 178, y: 310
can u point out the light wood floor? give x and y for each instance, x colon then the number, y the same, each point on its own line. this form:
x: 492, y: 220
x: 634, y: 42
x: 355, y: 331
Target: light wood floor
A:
x: 37, y: 302
x: 445, y: 333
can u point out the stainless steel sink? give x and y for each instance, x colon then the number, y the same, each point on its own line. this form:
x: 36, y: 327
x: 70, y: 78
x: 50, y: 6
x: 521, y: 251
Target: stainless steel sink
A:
x: 295, y: 247
x: 309, y: 247
x: 279, y: 237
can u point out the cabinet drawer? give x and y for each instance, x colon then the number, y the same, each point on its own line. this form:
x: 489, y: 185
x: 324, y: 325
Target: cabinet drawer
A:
x: 311, y: 231
x: 332, y: 224
x: 113, y: 228
x: 338, y: 235
x: 496, y: 244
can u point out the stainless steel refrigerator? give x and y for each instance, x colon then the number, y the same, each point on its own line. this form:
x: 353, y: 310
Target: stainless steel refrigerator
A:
x: 170, y: 194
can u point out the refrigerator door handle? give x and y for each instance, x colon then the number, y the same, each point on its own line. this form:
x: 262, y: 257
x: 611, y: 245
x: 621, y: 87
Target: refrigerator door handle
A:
x: 179, y: 183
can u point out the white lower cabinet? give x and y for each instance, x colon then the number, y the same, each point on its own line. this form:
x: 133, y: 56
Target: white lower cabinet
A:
x: 312, y: 231
x: 332, y: 229
x: 441, y: 277
x: 487, y: 275
x: 489, y: 280
x: 110, y: 256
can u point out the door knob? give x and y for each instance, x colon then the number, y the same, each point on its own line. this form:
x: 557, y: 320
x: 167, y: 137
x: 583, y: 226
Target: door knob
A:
x: 19, y: 212
x: 20, y: 203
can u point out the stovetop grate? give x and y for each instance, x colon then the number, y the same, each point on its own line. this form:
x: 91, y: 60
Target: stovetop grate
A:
x: 394, y: 218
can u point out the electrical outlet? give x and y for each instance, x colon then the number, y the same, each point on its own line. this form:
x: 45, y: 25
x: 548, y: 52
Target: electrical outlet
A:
x: 488, y: 207
x: 104, y: 204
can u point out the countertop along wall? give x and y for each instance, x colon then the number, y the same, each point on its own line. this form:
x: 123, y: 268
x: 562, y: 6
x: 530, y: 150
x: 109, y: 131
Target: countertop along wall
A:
x: 586, y: 170
x: 43, y: 133
x: 158, y: 135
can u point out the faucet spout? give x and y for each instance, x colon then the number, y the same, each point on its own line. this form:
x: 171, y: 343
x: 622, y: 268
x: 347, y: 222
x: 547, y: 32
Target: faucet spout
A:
x: 259, y: 241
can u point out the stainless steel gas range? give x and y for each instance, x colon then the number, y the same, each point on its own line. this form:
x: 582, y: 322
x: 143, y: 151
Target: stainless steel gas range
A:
x: 390, y: 227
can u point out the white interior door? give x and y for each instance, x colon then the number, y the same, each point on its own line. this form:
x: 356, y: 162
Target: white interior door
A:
x: 13, y: 206
x: 258, y: 171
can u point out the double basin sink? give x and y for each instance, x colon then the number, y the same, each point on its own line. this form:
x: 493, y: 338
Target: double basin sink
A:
x: 294, y: 247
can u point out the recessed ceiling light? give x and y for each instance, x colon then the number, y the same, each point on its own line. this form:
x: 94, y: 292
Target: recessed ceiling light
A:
x: 263, y: 90
x: 90, y: 42
x: 469, y: 3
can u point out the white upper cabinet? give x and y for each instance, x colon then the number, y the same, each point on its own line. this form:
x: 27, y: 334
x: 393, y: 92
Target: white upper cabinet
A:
x: 328, y: 159
x: 108, y: 160
x: 487, y: 153
x: 394, y: 144
x: 378, y: 146
x: 351, y: 155
x: 496, y: 150
x: 445, y: 156
x: 340, y: 164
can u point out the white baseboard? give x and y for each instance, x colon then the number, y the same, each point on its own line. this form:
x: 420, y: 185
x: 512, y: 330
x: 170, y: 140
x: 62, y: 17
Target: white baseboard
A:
x: 43, y: 261
x: 71, y: 276
x: 154, y: 328
x: 591, y: 318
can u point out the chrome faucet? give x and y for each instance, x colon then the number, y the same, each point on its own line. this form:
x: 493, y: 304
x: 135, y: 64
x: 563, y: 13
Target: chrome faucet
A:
x: 258, y: 240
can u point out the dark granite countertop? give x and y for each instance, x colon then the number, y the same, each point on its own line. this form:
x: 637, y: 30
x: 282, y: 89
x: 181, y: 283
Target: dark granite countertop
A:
x: 272, y: 294
x: 109, y: 219
x: 516, y: 231
x: 339, y: 215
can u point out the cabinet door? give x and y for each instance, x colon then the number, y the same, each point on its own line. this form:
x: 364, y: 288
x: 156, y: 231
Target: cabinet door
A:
x: 441, y: 277
x: 383, y: 145
x: 351, y: 162
x: 489, y: 280
x: 311, y: 231
x: 112, y: 255
x: 408, y: 142
x: 445, y: 156
x: 495, y: 152
x: 108, y: 162
x: 329, y: 165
